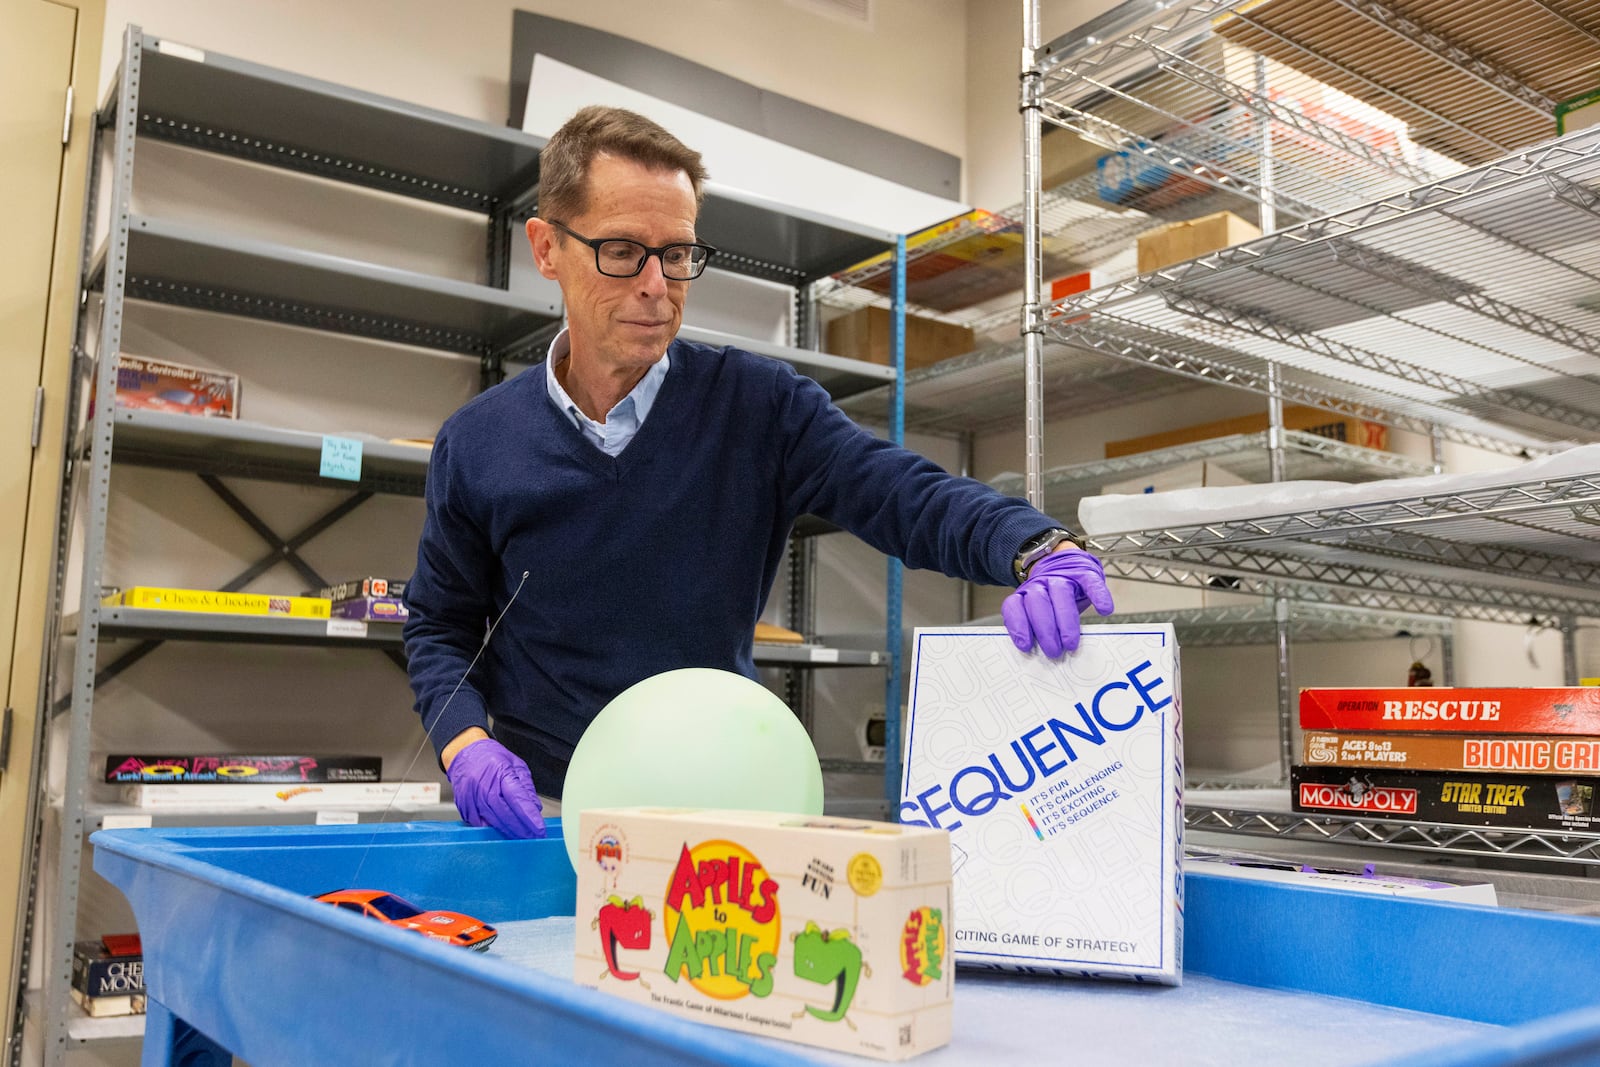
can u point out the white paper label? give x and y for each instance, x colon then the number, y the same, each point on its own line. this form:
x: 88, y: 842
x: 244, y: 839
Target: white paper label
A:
x: 347, y: 628
x: 824, y: 655
x: 336, y: 818
x: 125, y: 822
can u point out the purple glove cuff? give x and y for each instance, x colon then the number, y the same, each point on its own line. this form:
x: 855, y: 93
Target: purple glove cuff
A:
x: 493, y: 788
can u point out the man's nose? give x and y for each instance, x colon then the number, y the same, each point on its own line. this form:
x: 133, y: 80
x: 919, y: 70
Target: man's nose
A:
x: 651, y: 281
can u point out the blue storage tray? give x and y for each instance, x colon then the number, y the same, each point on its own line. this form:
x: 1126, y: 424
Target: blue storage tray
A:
x: 238, y: 955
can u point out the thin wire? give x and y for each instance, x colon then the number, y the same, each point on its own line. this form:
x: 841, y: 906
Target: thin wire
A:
x: 427, y: 736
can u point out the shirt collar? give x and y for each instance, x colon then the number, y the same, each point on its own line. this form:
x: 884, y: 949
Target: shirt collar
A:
x: 624, y: 419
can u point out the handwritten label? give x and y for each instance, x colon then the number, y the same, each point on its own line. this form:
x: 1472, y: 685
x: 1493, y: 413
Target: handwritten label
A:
x: 347, y: 628
x: 824, y: 655
x: 341, y: 458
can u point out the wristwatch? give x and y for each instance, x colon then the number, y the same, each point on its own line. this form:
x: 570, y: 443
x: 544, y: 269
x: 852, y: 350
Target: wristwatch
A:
x: 1038, y: 547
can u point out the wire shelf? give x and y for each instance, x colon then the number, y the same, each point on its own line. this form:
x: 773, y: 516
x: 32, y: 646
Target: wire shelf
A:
x: 1503, y: 552
x: 1306, y: 456
x: 982, y: 391
x: 1440, y: 838
x: 1257, y: 624
x: 1189, y: 109
x: 1468, y: 300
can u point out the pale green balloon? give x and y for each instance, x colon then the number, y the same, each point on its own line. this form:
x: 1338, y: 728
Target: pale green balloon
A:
x: 692, y: 738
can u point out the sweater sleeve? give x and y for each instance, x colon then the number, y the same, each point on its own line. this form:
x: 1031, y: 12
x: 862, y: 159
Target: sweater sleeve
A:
x: 448, y: 601
x: 896, y: 500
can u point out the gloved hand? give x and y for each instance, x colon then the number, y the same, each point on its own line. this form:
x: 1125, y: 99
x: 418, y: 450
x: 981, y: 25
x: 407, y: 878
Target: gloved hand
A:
x: 1046, y: 606
x: 493, y: 788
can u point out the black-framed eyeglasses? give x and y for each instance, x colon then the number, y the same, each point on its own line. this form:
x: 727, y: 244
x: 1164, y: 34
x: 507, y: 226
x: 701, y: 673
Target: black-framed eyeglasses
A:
x: 616, y: 257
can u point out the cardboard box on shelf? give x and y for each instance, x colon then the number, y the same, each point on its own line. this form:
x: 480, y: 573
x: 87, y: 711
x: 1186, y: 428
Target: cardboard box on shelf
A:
x: 1183, y: 241
x: 161, y: 385
x: 827, y: 931
x: 1061, y: 783
x: 1308, y: 420
x: 865, y: 334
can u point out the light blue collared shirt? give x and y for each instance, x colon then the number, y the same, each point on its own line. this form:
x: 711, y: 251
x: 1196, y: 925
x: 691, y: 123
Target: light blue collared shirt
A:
x: 622, y: 421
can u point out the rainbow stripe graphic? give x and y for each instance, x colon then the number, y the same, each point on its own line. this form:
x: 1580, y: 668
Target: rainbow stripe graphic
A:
x: 1031, y: 823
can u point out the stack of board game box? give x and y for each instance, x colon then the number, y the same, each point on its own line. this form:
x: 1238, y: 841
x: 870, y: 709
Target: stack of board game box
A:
x: 108, y: 975
x: 366, y: 599
x: 1521, y: 758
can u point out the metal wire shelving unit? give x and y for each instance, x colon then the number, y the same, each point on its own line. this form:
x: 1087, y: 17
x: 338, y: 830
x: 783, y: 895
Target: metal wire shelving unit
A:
x: 1428, y: 263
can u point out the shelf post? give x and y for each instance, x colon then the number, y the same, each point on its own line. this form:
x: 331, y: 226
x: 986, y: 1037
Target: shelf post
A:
x: 1280, y: 612
x: 892, y: 627
x: 94, y: 480
x: 1033, y: 259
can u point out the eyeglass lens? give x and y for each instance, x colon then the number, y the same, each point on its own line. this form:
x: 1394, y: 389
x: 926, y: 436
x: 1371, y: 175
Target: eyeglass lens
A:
x: 624, y: 259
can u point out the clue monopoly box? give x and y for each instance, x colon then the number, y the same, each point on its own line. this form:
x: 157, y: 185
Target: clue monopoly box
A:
x: 832, y: 932
x: 1061, y: 783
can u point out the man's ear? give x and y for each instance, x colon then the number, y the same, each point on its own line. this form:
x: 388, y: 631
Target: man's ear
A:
x: 541, y: 238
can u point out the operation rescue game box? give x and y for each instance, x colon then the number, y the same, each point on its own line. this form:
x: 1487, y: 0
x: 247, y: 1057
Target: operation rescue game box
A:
x: 832, y: 932
x: 1061, y: 783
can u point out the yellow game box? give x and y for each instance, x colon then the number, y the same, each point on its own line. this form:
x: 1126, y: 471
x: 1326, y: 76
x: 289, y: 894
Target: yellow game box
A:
x: 145, y: 596
x: 830, y: 932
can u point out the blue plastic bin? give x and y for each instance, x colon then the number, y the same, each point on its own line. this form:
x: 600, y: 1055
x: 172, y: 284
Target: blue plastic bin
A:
x: 238, y: 956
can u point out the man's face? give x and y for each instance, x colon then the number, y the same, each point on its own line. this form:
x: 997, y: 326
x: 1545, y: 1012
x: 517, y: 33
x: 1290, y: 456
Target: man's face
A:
x: 620, y: 322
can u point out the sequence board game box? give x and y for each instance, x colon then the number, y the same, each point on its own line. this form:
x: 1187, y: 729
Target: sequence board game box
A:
x: 275, y: 769
x: 1061, y: 783
x: 831, y: 932
x: 1521, y: 801
x: 1532, y: 710
x: 1454, y: 752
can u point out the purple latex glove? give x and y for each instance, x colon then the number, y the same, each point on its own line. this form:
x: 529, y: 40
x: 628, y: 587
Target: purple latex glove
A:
x: 493, y: 788
x: 1046, y: 606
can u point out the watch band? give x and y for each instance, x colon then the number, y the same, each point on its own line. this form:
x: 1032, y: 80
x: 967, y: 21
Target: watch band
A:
x: 1039, y: 546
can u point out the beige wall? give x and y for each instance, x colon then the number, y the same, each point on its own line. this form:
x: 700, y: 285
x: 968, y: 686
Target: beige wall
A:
x: 906, y: 72
x: 994, y: 61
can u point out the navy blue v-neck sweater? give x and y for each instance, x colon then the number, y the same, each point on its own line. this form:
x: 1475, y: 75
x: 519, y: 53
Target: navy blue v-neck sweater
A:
x: 658, y: 558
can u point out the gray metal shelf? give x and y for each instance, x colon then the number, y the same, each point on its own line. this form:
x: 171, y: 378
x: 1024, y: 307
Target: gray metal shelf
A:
x: 230, y: 106
x: 253, y: 450
x: 1260, y: 820
x: 1306, y: 455
x: 96, y: 814
x: 160, y: 625
x: 1504, y: 552
x: 192, y: 266
x: 840, y: 376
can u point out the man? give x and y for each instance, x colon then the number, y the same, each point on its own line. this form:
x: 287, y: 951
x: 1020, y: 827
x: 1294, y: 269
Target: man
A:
x: 624, y: 508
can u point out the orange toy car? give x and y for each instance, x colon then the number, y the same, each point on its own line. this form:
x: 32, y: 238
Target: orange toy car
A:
x: 451, y: 927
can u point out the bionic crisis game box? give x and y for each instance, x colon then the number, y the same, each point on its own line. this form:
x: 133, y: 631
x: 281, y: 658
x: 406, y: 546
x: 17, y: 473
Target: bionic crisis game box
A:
x: 1061, y: 783
x: 831, y: 932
